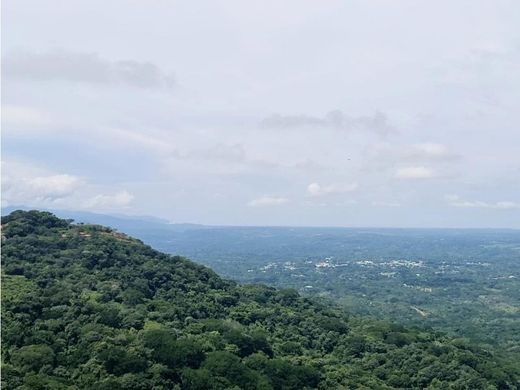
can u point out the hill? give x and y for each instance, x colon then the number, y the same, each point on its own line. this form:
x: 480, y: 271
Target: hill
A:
x: 84, y: 306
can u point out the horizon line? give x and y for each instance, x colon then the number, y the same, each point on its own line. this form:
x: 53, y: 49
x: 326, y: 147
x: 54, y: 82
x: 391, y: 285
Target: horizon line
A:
x: 160, y: 220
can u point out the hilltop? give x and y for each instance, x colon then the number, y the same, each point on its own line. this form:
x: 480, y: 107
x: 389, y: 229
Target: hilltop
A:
x: 84, y: 306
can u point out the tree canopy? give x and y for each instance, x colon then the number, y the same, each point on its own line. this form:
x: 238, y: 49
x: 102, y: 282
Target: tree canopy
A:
x: 84, y: 307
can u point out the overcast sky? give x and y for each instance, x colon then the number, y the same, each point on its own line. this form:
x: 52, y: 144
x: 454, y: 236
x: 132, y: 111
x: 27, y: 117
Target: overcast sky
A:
x: 329, y: 113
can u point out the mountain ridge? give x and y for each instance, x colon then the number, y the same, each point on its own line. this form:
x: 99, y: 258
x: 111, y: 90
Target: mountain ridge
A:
x: 85, y: 306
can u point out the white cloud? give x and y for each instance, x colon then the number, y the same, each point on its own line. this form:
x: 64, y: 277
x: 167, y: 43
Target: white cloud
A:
x: 415, y: 173
x: 388, y: 154
x: 316, y: 190
x: 267, y: 201
x: 456, y: 201
x: 55, y: 186
x: 118, y: 200
x: 432, y: 151
x: 23, y: 185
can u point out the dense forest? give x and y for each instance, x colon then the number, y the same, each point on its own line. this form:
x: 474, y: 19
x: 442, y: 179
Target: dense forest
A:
x: 465, y: 282
x: 84, y: 306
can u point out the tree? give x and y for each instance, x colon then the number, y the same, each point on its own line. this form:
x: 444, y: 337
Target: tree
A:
x: 33, y: 357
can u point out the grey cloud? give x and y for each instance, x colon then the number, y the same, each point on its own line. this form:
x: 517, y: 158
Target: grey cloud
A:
x: 231, y: 153
x: 377, y: 123
x: 62, y: 65
x: 431, y: 151
x: 337, y: 119
x: 277, y: 121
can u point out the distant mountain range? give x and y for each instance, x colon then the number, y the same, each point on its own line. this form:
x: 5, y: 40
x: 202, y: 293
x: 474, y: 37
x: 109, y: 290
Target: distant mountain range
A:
x: 124, y: 223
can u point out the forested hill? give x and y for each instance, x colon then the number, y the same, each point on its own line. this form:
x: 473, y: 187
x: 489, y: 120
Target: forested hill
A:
x: 85, y: 307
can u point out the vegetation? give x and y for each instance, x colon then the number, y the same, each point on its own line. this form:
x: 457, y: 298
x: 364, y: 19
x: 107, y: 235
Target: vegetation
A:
x: 86, y: 307
x: 465, y: 282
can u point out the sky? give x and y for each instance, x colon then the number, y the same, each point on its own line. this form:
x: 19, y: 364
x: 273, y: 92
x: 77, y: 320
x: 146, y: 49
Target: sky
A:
x: 302, y: 113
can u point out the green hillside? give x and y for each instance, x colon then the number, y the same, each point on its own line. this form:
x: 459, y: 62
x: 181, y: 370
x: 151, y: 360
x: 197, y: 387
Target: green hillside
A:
x: 85, y: 307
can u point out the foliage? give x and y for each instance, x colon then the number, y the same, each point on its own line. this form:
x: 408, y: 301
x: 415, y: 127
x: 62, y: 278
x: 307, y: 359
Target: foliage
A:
x: 87, y: 307
x: 465, y: 282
